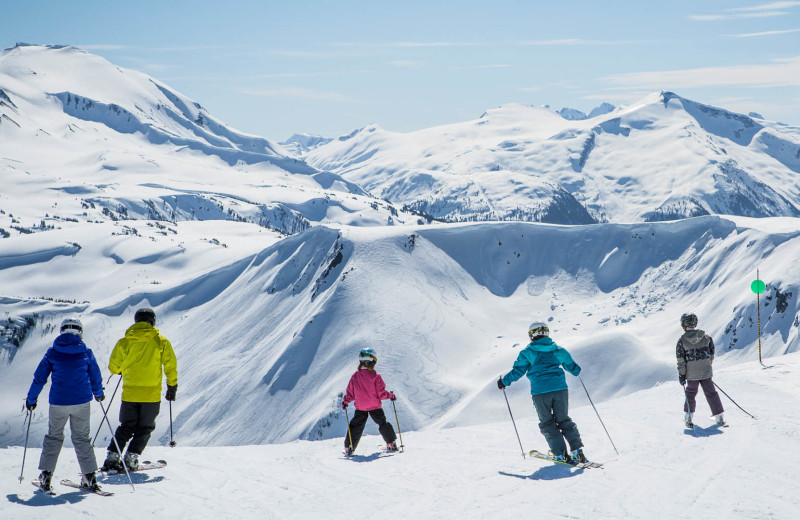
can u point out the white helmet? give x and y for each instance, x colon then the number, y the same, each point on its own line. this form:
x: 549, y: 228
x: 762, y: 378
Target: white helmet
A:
x: 537, y: 329
x: 72, y: 326
x: 367, y: 354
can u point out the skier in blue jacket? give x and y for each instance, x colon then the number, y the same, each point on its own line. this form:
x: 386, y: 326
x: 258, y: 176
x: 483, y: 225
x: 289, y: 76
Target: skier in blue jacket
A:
x: 76, y: 379
x: 542, y: 360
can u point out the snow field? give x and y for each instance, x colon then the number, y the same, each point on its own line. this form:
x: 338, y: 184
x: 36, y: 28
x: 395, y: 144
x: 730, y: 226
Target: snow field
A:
x: 739, y: 472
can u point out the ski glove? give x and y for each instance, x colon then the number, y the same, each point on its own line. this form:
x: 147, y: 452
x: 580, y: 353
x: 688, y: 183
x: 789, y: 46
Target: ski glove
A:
x: 392, y: 397
x: 29, y: 405
x: 171, y: 391
x: 100, y: 398
x: 500, y: 384
x: 682, y: 379
x: 344, y: 405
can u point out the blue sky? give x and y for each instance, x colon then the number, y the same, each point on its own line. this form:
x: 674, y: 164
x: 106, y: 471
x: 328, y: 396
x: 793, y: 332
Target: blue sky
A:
x: 328, y: 67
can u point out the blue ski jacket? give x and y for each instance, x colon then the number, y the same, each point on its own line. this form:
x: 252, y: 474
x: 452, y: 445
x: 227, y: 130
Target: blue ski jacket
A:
x: 76, y: 376
x: 542, y: 360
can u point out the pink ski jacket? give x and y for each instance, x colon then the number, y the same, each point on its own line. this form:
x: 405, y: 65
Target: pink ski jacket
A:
x: 367, y: 389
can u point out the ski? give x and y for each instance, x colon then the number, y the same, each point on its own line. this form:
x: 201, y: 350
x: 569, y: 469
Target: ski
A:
x: 579, y: 465
x: 69, y: 483
x: 36, y: 483
x: 383, y: 447
x: 143, y: 466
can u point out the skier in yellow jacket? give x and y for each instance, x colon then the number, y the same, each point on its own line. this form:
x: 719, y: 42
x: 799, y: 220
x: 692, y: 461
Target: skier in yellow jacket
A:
x: 139, y: 358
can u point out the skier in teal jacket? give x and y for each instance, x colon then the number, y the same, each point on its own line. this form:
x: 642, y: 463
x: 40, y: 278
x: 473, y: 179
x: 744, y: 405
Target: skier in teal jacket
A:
x: 542, y: 360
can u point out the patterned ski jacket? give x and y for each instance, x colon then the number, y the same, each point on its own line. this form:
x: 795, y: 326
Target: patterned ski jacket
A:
x: 695, y: 353
x: 76, y: 376
x: 367, y: 389
x: 139, y: 357
x: 542, y: 360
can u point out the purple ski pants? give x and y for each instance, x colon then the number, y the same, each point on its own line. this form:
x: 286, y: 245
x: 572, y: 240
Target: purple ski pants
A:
x: 711, y: 396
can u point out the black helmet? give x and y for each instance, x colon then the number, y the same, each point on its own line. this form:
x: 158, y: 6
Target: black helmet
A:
x: 689, y: 321
x: 145, y: 314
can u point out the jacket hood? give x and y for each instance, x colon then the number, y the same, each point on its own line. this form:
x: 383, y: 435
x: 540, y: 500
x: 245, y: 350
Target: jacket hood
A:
x: 69, y: 344
x: 694, y: 336
x: 543, y: 345
x: 141, y: 329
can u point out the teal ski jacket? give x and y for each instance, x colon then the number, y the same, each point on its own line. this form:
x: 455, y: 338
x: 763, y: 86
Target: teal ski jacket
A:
x: 542, y: 360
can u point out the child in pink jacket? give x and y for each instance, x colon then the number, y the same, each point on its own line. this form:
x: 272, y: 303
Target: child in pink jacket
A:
x: 367, y: 388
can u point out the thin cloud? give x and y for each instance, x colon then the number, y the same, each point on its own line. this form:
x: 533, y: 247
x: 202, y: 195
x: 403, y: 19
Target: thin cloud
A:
x: 301, y: 93
x: 780, y: 73
x: 715, y: 17
x: 756, y: 11
x: 765, y: 33
x: 767, y: 7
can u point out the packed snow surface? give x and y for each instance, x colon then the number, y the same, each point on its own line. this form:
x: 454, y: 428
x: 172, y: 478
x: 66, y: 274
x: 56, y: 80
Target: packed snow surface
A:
x: 477, y: 472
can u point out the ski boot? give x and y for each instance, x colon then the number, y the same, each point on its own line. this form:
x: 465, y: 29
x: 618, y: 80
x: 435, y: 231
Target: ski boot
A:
x: 392, y: 446
x: 45, y: 479
x: 577, y: 456
x: 132, y: 460
x: 687, y: 420
x: 113, y: 463
x: 89, y: 481
x: 348, y: 451
x: 720, y: 420
x: 560, y: 458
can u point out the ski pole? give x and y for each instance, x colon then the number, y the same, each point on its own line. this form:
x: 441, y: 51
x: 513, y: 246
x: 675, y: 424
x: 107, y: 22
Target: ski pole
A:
x: 398, y: 426
x: 109, y: 406
x: 350, y: 435
x: 172, y: 443
x: 25, y: 451
x: 734, y: 402
x: 598, y: 414
x: 119, y: 451
x: 513, y: 422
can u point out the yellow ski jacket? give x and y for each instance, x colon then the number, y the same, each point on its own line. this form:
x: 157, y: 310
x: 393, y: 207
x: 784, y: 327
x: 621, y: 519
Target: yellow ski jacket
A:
x: 139, y: 357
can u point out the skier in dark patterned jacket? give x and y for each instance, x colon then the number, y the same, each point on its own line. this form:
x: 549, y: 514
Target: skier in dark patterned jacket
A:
x: 695, y: 353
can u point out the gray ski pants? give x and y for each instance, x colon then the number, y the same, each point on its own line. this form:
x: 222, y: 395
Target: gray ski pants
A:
x: 554, y: 422
x: 79, y: 424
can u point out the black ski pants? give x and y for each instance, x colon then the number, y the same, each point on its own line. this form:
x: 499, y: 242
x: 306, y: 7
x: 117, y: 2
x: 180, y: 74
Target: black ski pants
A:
x: 136, y: 422
x: 360, y: 421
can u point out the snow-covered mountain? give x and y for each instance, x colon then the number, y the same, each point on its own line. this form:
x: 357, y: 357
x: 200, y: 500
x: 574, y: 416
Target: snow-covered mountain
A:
x: 267, y: 329
x: 269, y: 273
x: 574, y: 114
x: 83, y: 139
x: 663, y: 158
x: 298, y: 144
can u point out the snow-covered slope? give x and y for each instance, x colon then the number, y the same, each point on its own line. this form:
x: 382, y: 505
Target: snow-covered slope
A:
x: 662, y: 158
x: 82, y: 139
x: 267, y: 331
x: 662, y: 472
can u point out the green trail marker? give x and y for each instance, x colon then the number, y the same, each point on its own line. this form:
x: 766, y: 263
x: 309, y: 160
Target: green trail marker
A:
x: 758, y: 287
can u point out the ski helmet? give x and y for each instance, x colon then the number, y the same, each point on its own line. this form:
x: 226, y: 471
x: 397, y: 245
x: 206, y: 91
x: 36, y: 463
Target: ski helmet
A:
x: 538, y: 329
x: 689, y: 321
x: 367, y: 354
x: 145, y: 314
x: 72, y: 326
